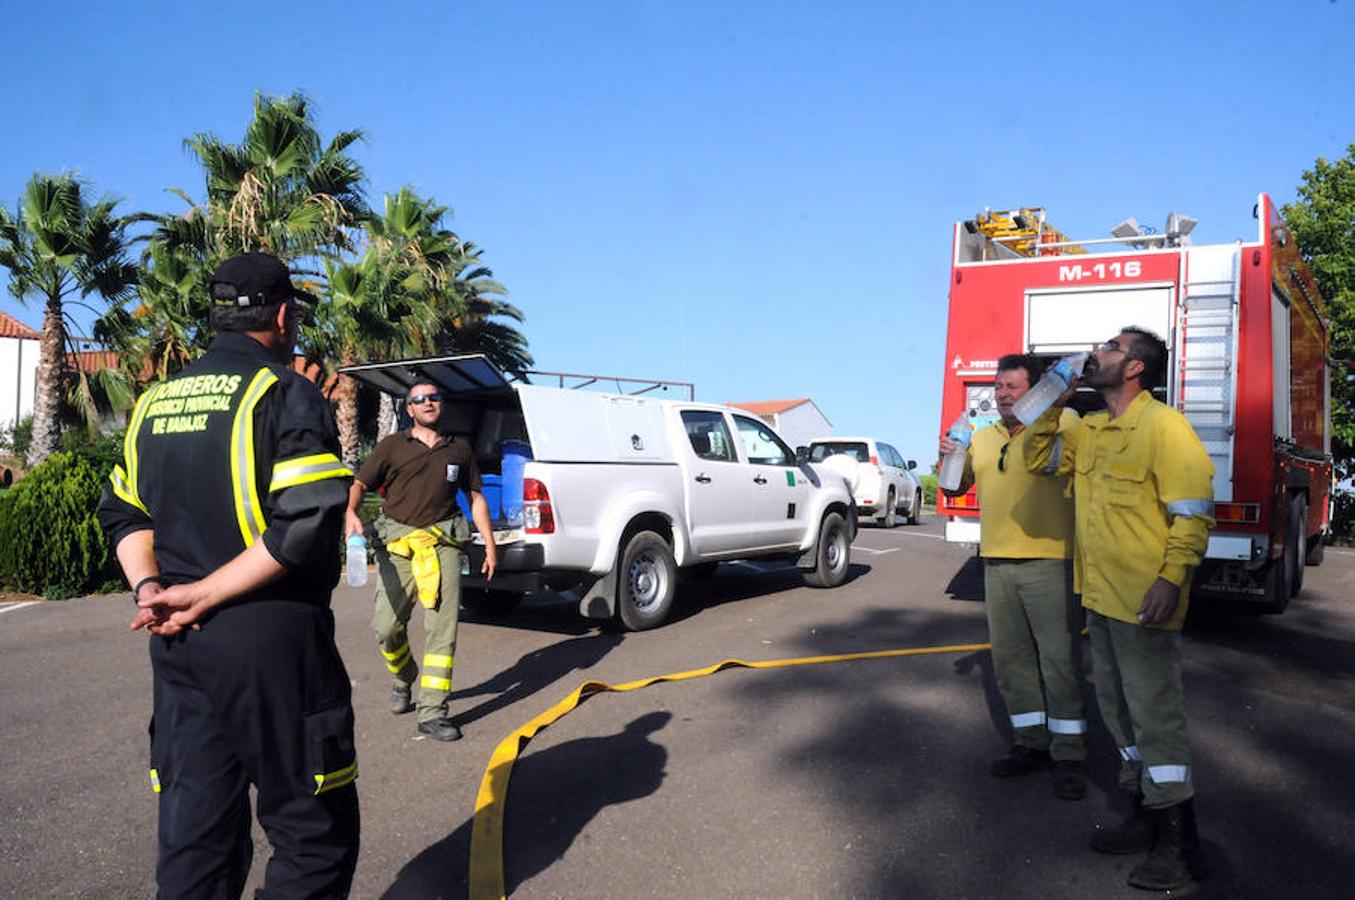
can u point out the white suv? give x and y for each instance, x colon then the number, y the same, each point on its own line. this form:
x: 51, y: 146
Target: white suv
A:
x: 882, y: 482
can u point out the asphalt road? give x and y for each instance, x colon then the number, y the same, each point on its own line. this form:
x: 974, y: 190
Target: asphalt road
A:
x: 859, y: 779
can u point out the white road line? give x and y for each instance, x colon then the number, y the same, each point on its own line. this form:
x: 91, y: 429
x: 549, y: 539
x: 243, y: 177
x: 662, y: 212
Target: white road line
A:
x: 11, y: 608
x: 913, y: 534
x: 876, y: 552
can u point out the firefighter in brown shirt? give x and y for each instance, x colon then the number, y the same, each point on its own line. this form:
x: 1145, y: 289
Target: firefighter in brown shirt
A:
x: 421, y: 532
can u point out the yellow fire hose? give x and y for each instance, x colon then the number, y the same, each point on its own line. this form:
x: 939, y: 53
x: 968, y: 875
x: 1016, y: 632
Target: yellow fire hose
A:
x: 486, y: 842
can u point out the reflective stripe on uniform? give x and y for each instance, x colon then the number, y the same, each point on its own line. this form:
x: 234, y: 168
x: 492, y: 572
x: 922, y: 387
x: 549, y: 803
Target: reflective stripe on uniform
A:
x: 395, y: 660
x: 328, y: 781
x: 123, y: 489
x: 1130, y: 753
x: 1028, y: 720
x: 1067, y: 726
x: 248, y: 509
x: 128, y: 489
x: 432, y: 682
x: 1055, y: 456
x: 1169, y: 774
x: 1187, y: 509
x: 155, y: 781
x: 437, y: 661
x: 305, y: 469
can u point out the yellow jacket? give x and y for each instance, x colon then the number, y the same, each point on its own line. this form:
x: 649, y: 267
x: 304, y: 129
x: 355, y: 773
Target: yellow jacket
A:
x: 420, y: 547
x: 1144, y: 493
x: 1022, y: 515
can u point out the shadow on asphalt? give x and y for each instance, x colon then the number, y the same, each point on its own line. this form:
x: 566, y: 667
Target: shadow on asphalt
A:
x: 1272, y: 791
x: 533, y: 672
x: 967, y: 582
x: 555, y: 794
x: 740, y: 581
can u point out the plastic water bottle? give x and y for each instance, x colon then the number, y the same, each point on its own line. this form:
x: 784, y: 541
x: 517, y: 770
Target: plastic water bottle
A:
x: 952, y: 465
x: 357, y: 561
x: 1055, y: 381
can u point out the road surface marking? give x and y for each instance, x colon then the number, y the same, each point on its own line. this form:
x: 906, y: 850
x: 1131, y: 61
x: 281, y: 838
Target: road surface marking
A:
x: 877, y: 552
x: 21, y: 605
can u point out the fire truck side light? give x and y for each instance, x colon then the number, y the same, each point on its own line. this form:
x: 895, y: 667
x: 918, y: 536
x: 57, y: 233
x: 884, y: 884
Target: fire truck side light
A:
x: 1237, y: 513
x: 959, y: 276
x: 1256, y: 257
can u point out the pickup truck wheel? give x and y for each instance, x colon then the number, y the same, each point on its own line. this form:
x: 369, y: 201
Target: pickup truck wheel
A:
x: 646, y: 582
x: 891, y: 516
x: 833, y: 555
x: 916, y: 509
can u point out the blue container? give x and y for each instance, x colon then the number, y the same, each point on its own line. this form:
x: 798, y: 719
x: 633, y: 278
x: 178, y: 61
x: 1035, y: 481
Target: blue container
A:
x: 492, y: 487
x: 515, y: 457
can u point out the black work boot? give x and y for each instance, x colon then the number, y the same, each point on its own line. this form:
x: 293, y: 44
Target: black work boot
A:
x: 1070, y: 779
x: 1020, y: 761
x: 400, y: 702
x: 1133, y: 835
x: 441, y: 729
x: 1177, y: 843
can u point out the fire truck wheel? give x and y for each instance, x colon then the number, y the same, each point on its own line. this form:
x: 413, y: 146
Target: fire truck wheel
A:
x: 1317, y: 549
x: 1280, y: 575
x: 1298, y: 524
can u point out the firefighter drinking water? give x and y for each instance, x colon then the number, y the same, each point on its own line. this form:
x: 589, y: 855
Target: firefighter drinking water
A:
x: 226, y: 513
x: 422, y: 533
x: 1026, y: 530
x: 1143, y: 485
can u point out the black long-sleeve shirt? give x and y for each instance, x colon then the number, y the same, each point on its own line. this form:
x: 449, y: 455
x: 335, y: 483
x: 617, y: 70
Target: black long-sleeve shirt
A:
x: 234, y: 449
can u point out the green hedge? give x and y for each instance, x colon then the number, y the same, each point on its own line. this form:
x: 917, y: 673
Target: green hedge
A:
x: 50, y: 541
x: 928, y: 483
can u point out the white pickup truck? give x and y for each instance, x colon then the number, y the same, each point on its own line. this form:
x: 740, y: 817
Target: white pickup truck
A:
x: 624, y: 491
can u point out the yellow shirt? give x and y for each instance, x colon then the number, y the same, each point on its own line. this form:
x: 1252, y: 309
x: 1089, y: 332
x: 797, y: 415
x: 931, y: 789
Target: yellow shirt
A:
x: 1021, y: 515
x: 1145, y: 502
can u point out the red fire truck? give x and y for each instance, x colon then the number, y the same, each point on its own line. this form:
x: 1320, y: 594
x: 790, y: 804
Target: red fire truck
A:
x: 1248, y: 335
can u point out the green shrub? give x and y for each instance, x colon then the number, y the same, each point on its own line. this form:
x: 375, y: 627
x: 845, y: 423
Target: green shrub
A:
x: 50, y: 541
x: 928, y: 483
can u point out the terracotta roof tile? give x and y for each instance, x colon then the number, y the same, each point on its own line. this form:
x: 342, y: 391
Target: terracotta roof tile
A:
x: 770, y: 407
x: 11, y: 327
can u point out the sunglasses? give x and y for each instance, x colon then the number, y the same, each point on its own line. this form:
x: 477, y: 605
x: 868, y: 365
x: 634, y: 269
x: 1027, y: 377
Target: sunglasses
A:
x: 420, y: 399
x: 1002, y: 457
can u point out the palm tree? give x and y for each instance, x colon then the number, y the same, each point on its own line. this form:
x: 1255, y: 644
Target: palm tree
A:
x: 281, y: 190
x: 479, y: 329
x: 56, y: 244
x: 375, y: 309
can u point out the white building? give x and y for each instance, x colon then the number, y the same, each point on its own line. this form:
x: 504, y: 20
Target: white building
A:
x: 18, y: 369
x: 799, y: 421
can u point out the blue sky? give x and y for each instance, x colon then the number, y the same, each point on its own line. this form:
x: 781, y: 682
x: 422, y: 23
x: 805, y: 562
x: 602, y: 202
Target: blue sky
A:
x: 756, y: 197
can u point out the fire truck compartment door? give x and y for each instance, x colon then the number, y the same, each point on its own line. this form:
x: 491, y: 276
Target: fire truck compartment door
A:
x: 1061, y: 321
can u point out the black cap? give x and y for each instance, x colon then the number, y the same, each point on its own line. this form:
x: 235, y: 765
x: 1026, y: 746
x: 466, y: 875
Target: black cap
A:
x: 254, y: 279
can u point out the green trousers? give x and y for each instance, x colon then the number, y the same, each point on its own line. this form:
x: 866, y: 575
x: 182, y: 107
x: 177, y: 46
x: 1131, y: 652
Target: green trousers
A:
x: 396, y: 597
x: 1035, y: 629
x: 1138, y: 687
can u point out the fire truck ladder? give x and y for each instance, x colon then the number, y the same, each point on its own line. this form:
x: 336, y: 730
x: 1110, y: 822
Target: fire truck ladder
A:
x: 1023, y: 231
x: 1206, y: 351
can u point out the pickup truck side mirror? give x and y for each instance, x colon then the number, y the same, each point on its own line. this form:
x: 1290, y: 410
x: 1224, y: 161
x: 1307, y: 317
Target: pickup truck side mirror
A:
x: 912, y: 464
x: 801, y: 455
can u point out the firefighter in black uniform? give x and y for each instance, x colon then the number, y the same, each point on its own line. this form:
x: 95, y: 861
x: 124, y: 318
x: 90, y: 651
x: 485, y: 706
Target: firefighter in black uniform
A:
x: 227, y: 515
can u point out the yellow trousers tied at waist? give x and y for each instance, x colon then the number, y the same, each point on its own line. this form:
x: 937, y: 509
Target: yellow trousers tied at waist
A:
x: 420, y: 547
